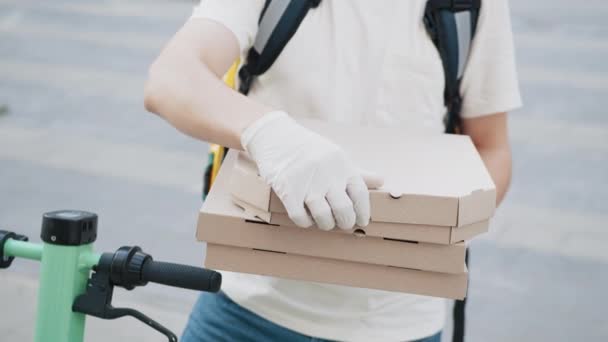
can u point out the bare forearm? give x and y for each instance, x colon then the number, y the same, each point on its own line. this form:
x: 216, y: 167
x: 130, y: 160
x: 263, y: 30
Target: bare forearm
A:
x: 490, y: 136
x: 185, y: 88
x: 498, y: 163
x: 197, y: 103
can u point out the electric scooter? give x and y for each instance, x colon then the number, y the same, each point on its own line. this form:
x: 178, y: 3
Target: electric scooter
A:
x: 75, y: 281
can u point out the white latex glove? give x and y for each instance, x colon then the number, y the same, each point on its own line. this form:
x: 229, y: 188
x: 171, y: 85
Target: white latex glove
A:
x: 307, y: 171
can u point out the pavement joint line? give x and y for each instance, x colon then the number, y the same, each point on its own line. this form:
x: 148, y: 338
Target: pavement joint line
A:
x: 555, y: 41
x: 152, y: 9
x: 131, y: 40
x: 559, y: 232
x: 583, y: 80
x: 562, y: 134
x: 131, y: 162
x: 79, y: 80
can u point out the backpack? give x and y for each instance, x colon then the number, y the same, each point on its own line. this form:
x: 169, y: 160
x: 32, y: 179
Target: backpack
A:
x: 451, y: 25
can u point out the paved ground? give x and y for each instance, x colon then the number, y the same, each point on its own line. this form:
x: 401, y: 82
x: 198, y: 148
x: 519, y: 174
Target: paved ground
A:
x: 75, y: 136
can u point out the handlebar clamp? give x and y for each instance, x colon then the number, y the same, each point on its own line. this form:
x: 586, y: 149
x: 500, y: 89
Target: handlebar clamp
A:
x: 126, y: 266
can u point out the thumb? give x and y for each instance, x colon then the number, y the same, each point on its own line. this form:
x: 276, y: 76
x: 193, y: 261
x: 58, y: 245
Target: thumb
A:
x: 371, y: 179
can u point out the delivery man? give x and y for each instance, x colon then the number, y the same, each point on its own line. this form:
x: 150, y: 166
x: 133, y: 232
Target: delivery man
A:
x: 357, y: 62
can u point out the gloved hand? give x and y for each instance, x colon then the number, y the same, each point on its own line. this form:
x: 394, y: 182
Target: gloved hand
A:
x: 306, y: 170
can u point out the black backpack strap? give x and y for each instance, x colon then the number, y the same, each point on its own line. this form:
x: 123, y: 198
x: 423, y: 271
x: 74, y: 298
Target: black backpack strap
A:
x: 458, y: 314
x: 279, y: 21
x: 451, y: 25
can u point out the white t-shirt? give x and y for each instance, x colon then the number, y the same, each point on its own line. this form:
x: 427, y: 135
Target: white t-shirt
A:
x: 371, y: 63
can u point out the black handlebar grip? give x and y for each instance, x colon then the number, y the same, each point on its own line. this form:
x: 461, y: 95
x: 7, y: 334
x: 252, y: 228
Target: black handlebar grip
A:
x: 184, y: 276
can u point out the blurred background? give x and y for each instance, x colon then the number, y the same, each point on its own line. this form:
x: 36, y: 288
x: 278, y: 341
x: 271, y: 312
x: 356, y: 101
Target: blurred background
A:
x: 74, y: 134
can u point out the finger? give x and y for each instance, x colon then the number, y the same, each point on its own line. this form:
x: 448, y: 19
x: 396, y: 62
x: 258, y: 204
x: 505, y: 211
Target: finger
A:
x: 300, y: 218
x: 321, y: 212
x: 359, y: 195
x: 372, y: 179
x: 342, y: 208
x: 297, y: 213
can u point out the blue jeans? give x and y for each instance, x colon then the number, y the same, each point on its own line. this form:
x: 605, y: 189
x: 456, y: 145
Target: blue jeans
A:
x: 215, y: 317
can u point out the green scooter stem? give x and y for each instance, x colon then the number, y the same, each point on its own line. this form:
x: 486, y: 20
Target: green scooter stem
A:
x: 63, y: 276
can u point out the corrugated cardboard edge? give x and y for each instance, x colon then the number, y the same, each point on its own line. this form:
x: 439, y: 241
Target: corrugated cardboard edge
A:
x: 468, y: 232
x: 305, y: 268
x: 405, y: 231
x: 480, y: 204
x: 252, y: 210
x: 239, y: 232
x: 401, y: 231
x: 414, y: 209
x: 477, y: 206
x: 246, y: 185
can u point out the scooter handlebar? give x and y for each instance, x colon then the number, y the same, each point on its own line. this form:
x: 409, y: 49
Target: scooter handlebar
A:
x: 183, y: 276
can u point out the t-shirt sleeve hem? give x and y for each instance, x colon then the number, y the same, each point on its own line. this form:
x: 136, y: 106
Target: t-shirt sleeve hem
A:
x: 234, y: 18
x: 478, y: 109
x: 241, y: 41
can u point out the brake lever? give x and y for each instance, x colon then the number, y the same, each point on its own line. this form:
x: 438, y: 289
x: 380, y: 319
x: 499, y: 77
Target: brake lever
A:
x: 97, y: 302
x: 113, y: 313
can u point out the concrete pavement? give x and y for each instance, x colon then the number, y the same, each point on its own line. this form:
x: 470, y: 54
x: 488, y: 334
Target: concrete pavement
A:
x: 76, y: 136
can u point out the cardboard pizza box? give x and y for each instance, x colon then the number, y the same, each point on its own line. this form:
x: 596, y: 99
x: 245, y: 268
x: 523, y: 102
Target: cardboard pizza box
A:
x: 429, y: 179
x: 399, y: 231
x: 235, y: 162
x: 331, y: 271
x: 223, y: 222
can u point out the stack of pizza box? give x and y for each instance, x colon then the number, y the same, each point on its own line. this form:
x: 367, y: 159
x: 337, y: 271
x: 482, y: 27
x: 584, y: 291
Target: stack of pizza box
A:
x: 437, y: 194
